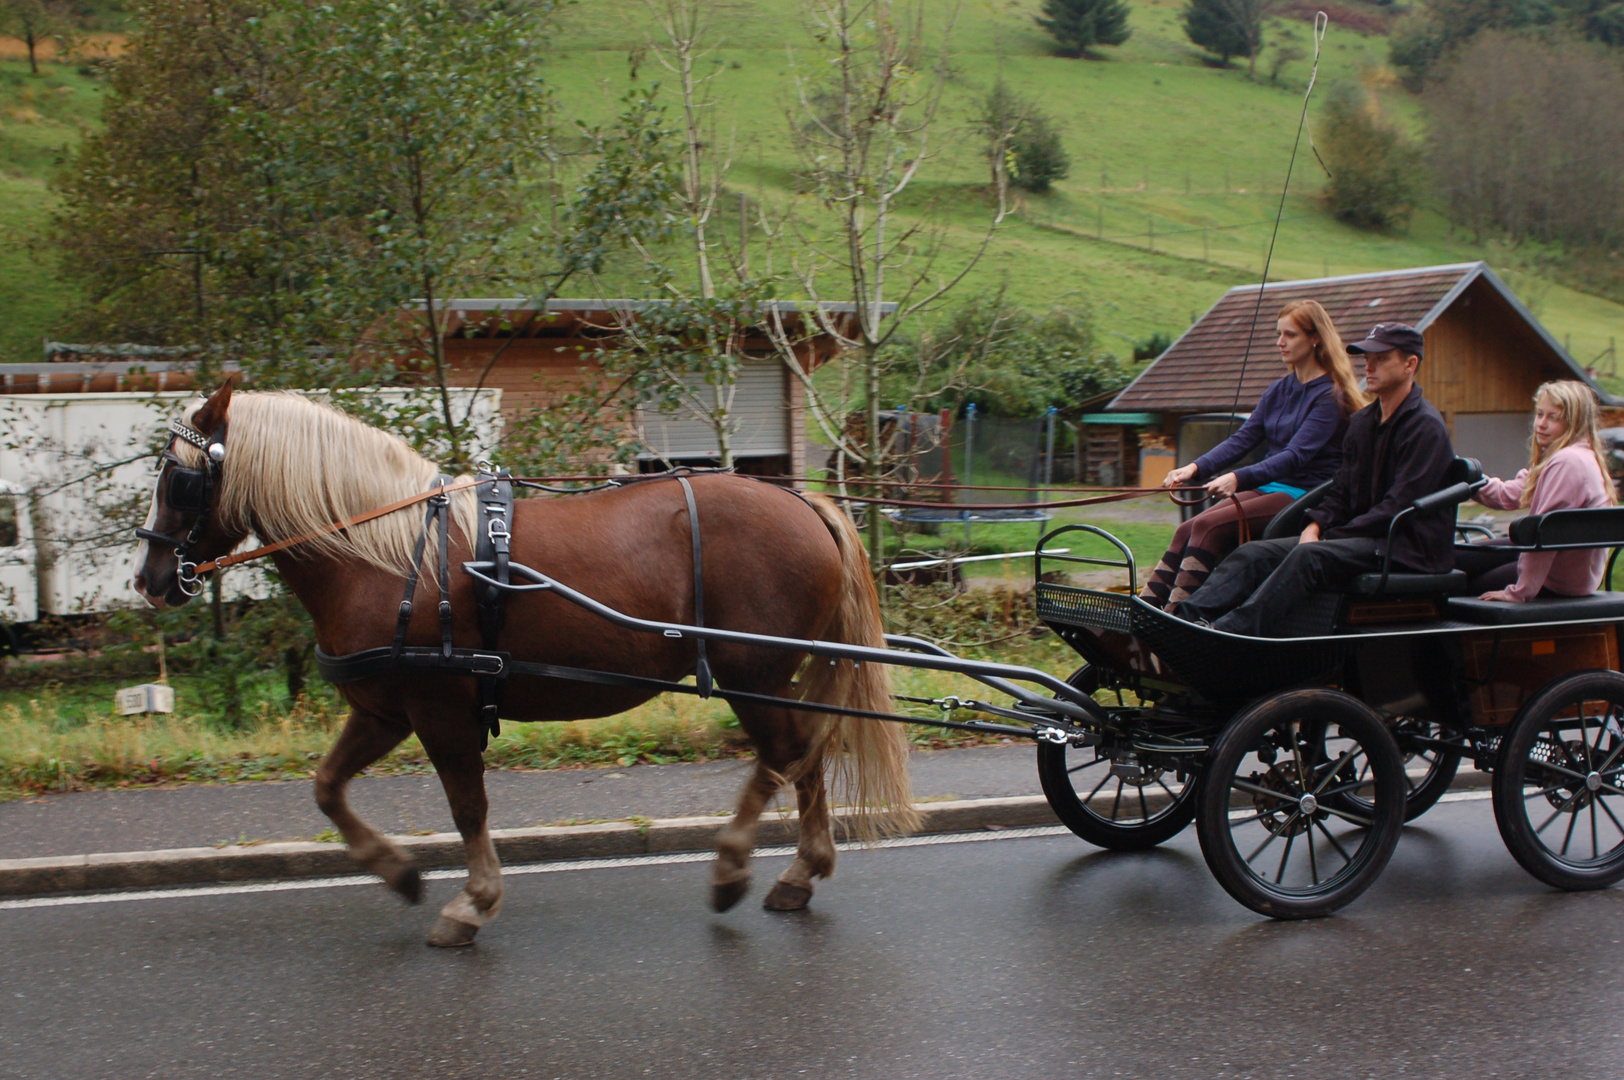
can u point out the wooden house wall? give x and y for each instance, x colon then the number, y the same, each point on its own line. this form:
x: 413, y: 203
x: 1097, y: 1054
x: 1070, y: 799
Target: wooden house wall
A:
x: 1482, y: 357
x: 532, y: 373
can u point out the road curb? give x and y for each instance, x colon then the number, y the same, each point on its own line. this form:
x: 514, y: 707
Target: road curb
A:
x: 253, y: 862
x: 257, y: 862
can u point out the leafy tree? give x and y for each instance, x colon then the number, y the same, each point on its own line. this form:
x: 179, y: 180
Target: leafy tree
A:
x: 1527, y: 136
x: 1227, y: 28
x: 1374, y: 168
x: 37, y: 20
x: 276, y: 179
x: 1079, y: 25
x: 1423, y: 38
x: 1010, y: 361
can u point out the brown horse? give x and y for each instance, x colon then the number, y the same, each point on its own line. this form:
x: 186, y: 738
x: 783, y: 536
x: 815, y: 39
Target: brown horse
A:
x: 773, y: 563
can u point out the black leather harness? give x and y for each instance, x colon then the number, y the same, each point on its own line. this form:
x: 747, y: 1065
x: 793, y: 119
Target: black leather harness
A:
x: 490, y: 665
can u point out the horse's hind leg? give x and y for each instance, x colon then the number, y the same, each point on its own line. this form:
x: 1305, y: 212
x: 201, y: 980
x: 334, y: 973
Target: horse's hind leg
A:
x: 815, y: 852
x: 454, y: 749
x: 731, y: 877
x: 365, y: 739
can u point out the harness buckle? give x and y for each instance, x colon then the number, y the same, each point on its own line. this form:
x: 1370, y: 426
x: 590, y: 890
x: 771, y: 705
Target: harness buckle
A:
x: 480, y: 658
x: 498, y: 530
x: 186, y: 578
x: 405, y: 609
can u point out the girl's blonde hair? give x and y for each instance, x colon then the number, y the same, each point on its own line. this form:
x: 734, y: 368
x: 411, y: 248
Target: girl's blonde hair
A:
x: 1577, y: 405
x: 1311, y: 318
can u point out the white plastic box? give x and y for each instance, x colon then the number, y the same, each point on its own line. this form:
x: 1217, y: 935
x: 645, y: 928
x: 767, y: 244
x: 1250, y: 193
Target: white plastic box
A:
x: 146, y: 698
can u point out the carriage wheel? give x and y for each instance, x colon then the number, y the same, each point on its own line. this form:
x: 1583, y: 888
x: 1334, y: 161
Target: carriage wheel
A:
x: 1116, y: 813
x: 1428, y: 771
x: 1559, y: 785
x: 1274, y: 825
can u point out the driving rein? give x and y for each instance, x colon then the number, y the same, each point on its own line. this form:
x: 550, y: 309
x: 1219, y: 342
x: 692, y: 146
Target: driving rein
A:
x: 191, y: 489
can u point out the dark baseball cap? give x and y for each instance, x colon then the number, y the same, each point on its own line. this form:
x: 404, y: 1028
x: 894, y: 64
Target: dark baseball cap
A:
x: 1386, y: 336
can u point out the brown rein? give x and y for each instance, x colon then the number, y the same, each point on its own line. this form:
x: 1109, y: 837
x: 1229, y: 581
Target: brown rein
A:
x: 338, y: 526
x: 1117, y: 495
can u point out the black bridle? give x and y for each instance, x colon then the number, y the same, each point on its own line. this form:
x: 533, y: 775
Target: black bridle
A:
x: 189, y: 490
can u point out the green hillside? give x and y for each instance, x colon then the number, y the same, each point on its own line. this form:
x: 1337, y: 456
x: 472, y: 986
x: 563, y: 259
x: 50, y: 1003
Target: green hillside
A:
x: 1176, y: 173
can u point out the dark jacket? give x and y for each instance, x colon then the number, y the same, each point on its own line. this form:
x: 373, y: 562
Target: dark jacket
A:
x: 1385, y: 467
x: 1301, y: 426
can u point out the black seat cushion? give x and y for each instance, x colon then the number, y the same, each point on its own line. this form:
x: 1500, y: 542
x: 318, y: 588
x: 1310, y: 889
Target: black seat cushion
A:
x: 1602, y: 605
x: 1449, y: 584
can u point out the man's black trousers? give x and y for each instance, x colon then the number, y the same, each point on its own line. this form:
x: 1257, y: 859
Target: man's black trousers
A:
x: 1254, y: 590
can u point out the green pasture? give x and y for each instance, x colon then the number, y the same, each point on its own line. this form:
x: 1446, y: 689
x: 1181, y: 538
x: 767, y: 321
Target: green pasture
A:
x: 1177, y: 166
x: 41, y: 121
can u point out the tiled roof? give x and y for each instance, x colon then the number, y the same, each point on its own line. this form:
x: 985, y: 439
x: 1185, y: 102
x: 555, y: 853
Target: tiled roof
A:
x: 1200, y: 370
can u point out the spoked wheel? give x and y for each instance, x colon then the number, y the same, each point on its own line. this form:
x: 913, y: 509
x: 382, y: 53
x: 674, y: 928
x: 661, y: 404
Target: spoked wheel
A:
x: 1273, y: 815
x: 1428, y: 769
x: 1118, y: 813
x: 1559, y: 785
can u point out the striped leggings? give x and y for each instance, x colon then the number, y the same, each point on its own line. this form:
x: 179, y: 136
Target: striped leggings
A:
x: 1202, y: 542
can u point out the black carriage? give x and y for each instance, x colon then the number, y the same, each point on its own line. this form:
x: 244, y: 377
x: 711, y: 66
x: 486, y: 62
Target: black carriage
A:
x: 1300, y: 758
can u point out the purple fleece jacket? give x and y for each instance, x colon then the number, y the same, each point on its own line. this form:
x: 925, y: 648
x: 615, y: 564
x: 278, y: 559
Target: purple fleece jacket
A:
x: 1301, y: 426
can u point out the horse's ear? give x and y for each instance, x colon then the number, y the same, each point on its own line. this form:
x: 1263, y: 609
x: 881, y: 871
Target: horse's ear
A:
x: 213, y: 413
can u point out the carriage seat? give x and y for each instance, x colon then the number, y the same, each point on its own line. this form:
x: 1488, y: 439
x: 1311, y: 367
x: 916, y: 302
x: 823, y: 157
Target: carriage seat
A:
x: 1454, y: 583
x: 1602, y: 605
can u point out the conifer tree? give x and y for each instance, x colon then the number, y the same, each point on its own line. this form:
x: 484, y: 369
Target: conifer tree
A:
x: 1226, y: 28
x: 1079, y: 25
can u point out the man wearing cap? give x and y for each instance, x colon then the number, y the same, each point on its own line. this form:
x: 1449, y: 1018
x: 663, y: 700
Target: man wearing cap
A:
x: 1397, y: 449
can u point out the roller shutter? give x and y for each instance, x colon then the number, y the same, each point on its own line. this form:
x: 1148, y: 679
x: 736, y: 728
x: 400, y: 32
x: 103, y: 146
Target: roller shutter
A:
x: 760, y: 426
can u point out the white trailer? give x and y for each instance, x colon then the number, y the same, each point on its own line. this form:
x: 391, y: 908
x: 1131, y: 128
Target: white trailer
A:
x: 76, y: 474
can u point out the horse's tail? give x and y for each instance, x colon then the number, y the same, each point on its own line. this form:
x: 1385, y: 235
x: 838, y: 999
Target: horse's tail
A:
x: 869, y: 757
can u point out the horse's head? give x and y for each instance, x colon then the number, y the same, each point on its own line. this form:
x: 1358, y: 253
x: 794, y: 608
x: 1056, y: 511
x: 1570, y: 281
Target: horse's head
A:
x: 183, y: 526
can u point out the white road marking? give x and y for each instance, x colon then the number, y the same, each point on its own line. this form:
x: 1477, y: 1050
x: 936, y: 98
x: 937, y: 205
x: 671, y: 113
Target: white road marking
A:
x: 668, y: 859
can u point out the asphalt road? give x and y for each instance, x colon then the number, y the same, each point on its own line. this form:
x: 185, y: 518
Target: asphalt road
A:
x: 1004, y: 957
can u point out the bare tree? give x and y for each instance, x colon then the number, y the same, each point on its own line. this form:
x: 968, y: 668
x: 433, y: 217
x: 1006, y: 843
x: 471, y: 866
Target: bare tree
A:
x: 864, y: 127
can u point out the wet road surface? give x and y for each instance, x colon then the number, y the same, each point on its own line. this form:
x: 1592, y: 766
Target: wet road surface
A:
x: 1002, y: 957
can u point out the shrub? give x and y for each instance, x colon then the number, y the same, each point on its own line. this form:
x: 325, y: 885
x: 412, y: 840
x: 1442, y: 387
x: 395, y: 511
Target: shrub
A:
x: 1079, y: 25
x: 1039, y: 157
x: 1020, y: 139
x: 1374, y: 168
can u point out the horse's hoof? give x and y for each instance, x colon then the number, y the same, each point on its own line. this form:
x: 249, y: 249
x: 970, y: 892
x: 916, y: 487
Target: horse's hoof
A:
x: 725, y: 896
x: 451, y: 934
x: 787, y: 897
x: 409, y: 885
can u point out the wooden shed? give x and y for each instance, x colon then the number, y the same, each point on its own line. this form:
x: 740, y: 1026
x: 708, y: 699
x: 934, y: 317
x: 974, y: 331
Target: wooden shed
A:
x: 1485, y: 355
x: 534, y: 354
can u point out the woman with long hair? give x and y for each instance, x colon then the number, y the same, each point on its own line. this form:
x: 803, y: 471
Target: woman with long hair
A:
x: 1300, y: 421
x: 1567, y: 470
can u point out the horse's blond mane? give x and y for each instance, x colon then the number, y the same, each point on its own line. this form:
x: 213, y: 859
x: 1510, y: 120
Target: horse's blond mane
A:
x: 294, y: 465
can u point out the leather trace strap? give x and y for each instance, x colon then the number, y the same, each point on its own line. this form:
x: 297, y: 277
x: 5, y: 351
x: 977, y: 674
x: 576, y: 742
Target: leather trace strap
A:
x: 493, y: 544
x: 702, y: 672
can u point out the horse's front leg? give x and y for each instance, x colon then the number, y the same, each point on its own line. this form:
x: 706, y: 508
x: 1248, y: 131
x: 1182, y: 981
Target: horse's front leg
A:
x: 454, y: 748
x: 815, y: 849
x: 365, y: 738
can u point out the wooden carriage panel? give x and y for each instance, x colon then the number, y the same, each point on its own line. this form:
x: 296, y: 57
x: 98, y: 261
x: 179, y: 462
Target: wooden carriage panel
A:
x: 1528, y: 659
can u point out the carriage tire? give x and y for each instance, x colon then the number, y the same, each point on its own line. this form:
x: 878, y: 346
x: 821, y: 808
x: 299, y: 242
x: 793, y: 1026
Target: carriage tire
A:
x: 1058, y: 767
x: 1422, y: 795
x: 1249, y: 798
x: 1527, y: 754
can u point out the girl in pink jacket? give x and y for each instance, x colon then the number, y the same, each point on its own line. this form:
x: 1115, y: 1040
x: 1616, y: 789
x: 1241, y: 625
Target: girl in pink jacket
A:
x: 1566, y: 471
